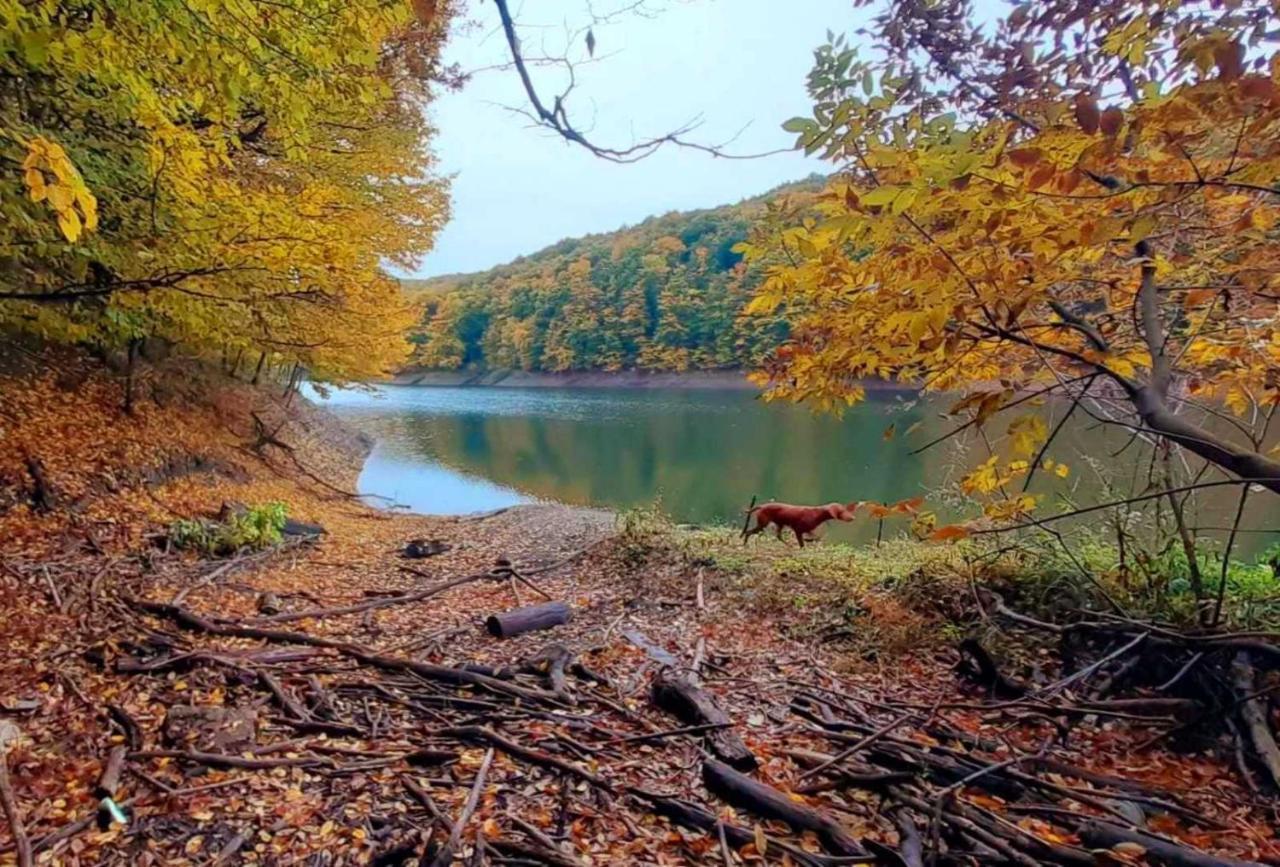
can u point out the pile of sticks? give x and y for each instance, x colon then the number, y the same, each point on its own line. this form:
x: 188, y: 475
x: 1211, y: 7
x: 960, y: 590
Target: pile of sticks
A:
x: 921, y: 789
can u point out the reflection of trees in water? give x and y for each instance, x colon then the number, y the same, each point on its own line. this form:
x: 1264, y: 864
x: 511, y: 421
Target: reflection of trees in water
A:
x: 708, y: 453
x: 705, y: 460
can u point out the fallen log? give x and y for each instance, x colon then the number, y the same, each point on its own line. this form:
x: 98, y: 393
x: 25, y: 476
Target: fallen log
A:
x: 527, y: 619
x: 1102, y: 835
x: 769, y: 803
x: 687, y: 814
x: 1254, y: 712
x: 693, y: 706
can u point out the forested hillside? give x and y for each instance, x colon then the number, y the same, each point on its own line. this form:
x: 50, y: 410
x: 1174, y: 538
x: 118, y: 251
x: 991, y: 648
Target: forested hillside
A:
x: 667, y: 294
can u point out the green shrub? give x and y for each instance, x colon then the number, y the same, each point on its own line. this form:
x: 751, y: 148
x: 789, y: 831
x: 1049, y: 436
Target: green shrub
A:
x: 253, y: 529
x: 641, y: 531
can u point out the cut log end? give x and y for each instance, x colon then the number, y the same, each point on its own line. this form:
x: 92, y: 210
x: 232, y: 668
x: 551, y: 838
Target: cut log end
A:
x: 520, y: 620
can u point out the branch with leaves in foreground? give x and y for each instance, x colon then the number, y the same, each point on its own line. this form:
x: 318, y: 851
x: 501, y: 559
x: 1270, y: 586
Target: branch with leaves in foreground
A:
x: 1007, y: 220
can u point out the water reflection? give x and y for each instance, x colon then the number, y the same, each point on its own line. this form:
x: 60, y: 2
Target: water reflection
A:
x: 704, y: 453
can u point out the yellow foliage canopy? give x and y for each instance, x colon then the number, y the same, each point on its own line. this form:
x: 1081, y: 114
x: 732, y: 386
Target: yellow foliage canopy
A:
x: 1084, y: 200
x: 226, y: 175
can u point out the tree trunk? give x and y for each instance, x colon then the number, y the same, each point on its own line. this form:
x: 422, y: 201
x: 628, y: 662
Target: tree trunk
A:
x: 235, y: 365
x: 257, y: 373
x: 1155, y: 414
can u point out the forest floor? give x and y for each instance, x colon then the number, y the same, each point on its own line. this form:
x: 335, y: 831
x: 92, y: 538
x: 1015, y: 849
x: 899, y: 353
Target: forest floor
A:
x: 372, y: 714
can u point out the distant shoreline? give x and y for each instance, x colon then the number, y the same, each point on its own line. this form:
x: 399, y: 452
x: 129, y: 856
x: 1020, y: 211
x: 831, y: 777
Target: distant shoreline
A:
x: 692, y: 379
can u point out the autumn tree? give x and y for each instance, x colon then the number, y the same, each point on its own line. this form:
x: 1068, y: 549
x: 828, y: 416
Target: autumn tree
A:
x: 231, y: 176
x: 667, y: 294
x: 1074, y: 198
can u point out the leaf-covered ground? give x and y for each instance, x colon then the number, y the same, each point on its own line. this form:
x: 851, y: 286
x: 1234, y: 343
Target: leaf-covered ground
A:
x: 362, y: 747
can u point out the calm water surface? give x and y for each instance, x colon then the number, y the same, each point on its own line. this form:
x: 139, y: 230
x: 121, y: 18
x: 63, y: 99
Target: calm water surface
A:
x: 702, y: 453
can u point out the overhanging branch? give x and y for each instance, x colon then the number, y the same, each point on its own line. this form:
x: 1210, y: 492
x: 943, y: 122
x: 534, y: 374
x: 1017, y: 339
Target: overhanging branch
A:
x: 556, y: 116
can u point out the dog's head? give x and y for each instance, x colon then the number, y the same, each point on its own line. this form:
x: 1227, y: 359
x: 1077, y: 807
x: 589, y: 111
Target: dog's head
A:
x: 840, y: 512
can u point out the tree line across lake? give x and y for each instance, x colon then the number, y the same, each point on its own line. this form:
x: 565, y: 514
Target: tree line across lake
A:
x: 667, y: 294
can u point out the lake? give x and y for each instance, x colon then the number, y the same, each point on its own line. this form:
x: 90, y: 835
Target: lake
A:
x: 701, y: 453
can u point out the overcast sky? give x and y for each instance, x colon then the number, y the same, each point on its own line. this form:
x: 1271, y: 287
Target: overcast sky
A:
x: 517, y: 189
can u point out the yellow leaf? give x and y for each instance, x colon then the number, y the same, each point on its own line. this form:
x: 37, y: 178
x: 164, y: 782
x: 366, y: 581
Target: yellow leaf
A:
x: 1027, y: 433
x: 1142, y: 228
x: 880, y: 196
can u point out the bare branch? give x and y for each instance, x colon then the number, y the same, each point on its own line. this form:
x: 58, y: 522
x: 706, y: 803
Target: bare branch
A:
x: 556, y: 117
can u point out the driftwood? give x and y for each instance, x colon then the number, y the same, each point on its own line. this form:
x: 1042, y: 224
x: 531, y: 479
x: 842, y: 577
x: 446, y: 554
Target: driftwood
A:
x: 527, y: 619
x: 526, y: 852
x: 680, y: 697
x: 551, y: 663
x: 1102, y: 835
x: 976, y: 663
x: 769, y: 803
x: 221, y: 760
x: 1254, y: 712
x: 444, y: 857
x: 128, y: 725
x: 9, y: 802
x: 109, y: 780
x: 687, y: 814
x: 371, y: 604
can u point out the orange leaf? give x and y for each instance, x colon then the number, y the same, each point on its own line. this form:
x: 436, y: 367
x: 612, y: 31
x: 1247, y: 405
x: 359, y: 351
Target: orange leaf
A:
x: 908, y: 507
x: 950, y: 533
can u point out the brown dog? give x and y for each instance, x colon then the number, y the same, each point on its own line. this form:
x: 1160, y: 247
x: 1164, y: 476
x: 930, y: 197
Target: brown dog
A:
x: 802, y: 520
